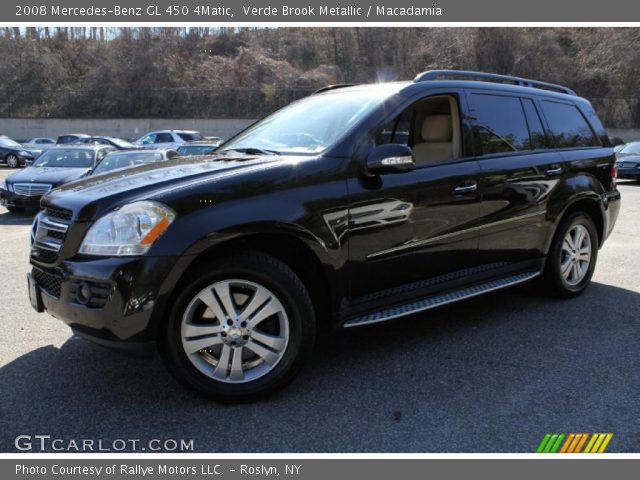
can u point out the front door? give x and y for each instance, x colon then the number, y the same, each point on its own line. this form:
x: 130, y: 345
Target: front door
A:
x: 407, y: 228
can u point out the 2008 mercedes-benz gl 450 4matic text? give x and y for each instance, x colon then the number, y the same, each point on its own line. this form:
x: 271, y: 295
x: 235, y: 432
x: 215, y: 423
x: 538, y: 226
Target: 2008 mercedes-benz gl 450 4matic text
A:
x: 358, y: 204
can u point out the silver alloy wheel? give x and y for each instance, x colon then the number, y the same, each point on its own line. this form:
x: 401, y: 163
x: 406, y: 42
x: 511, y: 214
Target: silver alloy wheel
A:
x: 12, y: 161
x: 575, y: 256
x: 235, y: 331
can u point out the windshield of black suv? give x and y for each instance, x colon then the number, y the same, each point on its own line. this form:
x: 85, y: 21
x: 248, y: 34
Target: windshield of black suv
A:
x: 310, y: 125
x: 65, y: 158
x: 631, y: 148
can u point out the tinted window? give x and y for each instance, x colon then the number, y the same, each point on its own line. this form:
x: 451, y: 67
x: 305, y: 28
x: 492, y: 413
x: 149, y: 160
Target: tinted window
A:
x: 538, y: 138
x: 499, y: 126
x: 163, y: 138
x: 568, y: 126
x: 189, y: 137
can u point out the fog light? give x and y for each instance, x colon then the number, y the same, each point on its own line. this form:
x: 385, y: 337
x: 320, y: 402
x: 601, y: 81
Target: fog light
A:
x: 84, y: 294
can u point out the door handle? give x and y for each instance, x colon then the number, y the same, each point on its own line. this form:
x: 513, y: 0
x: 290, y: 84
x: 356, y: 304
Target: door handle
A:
x: 466, y: 188
x: 554, y: 171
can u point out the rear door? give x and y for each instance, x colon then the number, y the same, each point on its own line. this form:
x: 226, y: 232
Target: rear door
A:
x: 518, y: 174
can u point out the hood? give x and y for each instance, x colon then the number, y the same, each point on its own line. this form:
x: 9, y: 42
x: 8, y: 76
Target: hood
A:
x: 94, y: 195
x: 53, y: 175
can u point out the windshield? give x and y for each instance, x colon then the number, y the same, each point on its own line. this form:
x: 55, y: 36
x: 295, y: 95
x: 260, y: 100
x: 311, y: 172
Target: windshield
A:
x: 310, y: 125
x: 65, y: 158
x: 196, y: 149
x: 114, y: 161
x: 7, y: 142
x: 631, y: 148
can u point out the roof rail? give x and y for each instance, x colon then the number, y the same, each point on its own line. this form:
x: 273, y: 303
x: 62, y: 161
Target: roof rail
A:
x: 491, y: 77
x: 333, y: 87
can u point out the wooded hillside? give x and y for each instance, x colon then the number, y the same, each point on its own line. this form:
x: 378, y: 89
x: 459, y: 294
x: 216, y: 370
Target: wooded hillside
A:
x: 225, y: 72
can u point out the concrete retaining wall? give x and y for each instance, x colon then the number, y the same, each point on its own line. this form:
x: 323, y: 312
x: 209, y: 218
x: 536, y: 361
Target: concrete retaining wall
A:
x: 626, y: 134
x: 132, y: 128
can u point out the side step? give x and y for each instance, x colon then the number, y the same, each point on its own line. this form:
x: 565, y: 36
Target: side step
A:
x: 440, y: 299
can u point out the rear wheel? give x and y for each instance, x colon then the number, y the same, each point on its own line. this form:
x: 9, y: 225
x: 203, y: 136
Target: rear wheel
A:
x: 241, y: 329
x: 12, y: 161
x: 572, y: 257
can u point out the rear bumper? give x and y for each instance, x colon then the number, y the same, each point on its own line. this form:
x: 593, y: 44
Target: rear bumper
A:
x: 611, y: 203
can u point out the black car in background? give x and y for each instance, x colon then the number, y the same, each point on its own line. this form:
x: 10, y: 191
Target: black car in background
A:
x: 52, y: 168
x: 201, y: 147
x: 13, y: 153
x: 117, y: 143
x: 119, y: 160
x: 628, y: 161
x: 320, y: 215
x: 70, y: 138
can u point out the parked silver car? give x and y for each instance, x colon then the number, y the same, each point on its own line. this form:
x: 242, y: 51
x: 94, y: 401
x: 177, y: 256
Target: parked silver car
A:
x: 168, y: 138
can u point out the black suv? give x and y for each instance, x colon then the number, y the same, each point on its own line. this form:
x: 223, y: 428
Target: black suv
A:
x: 355, y: 205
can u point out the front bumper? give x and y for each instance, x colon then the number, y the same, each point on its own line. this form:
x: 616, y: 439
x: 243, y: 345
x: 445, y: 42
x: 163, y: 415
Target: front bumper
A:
x: 12, y: 199
x: 115, y: 302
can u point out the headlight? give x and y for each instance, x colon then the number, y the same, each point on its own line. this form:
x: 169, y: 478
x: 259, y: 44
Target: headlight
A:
x: 4, y: 185
x: 24, y: 153
x: 130, y: 230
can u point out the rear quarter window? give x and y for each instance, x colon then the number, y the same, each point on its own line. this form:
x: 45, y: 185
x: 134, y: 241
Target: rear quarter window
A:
x: 569, y: 128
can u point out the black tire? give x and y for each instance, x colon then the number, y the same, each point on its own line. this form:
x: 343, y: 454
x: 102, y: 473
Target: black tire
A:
x: 553, y: 280
x: 12, y: 161
x: 286, y: 286
x: 15, y: 209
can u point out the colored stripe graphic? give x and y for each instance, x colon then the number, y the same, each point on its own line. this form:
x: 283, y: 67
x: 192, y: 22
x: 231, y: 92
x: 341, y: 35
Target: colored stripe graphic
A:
x: 550, y: 443
x: 553, y: 443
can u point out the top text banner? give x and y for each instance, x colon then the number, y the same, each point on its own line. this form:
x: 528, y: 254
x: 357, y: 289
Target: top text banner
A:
x: 314, y: 11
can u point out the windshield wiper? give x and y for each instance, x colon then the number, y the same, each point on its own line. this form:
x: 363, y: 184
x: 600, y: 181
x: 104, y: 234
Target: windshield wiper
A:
x: 250, y: 151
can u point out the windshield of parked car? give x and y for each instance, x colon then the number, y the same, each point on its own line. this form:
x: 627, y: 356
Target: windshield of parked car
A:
x: 196, y: 149
x: 7, y: 142
x: 309, y: 125
x: 114, y: 161
x: 631, y: 148
x: 65, y: 158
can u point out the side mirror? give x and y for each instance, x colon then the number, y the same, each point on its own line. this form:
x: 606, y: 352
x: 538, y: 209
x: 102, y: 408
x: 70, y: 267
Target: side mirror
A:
x: 391, y: 158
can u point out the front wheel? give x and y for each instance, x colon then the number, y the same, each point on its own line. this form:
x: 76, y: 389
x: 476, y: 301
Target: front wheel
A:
x: 12, y: 161
x: 241, y: 329
x: 572, y: 257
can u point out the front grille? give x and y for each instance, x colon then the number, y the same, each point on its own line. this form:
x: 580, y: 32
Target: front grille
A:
x: 50, y: 283
x: 59, y: 213
x: 47, y: 236
x: 31, y: 189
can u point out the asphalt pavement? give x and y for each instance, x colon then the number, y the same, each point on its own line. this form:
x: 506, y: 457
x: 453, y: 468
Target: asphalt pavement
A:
x: 492, y: 374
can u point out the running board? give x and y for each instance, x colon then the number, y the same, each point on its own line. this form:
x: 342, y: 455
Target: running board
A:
x: 441, y: 299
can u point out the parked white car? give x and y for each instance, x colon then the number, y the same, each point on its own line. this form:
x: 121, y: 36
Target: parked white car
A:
x: 167, y: 138
x: 40, y: 143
